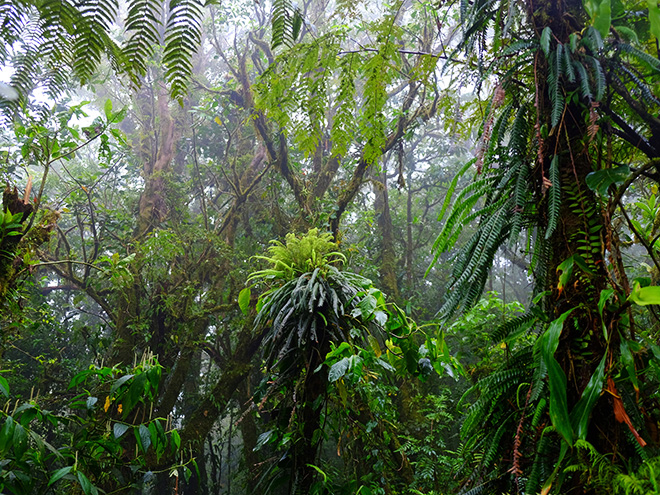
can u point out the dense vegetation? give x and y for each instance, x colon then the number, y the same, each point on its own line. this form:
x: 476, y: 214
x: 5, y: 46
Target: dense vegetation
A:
x: 334, y: 247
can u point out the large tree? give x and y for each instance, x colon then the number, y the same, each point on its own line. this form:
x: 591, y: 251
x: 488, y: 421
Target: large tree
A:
x: 569, y: 124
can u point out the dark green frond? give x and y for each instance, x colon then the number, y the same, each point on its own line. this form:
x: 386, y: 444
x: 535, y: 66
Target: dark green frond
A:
x: 143, y: 21
x: 91, y: 37
x: 182, y: 39
x: 554, y: 200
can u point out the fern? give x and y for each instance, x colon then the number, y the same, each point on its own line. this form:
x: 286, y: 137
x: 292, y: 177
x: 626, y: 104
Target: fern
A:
x: 91, y: 36
x: 643, y: 57
x: 182, y: 39
x: 518, y: 324
x: 142, y: 22
x: 583, y: 79
x: 554, y: 202
x: 555, y: 89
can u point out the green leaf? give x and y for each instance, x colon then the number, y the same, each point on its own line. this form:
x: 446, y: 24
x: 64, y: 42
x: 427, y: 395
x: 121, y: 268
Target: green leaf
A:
x: 244, y: 300
x: 557, y: 379
x: 119, y: 382
x: 59, y: 474
x: 603, y: 18
x: 107, y: 108
x: 629, y: 363
x: 654, y: 17
x: 263, y: 439
x: 601, y: 180
x: 4, y: 386
x: 566, y: 269
x: 545, y: 40
x: 176, y: 439
x: 86, y: 485
x: 119, y: 429
x: 582, y: 410
x: 643, y: 296
x: 338, y: 369
x: 340, y: 349
x: 144, y: 437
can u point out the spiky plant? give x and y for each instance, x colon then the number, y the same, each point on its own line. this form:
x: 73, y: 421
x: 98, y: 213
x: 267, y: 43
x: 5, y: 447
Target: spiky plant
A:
x: 308, y: 306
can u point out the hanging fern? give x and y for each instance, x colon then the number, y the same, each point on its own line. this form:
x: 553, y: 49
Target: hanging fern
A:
x: 554, y: 202
x: 142, y: 23
x: 182, y: 39
x: 91, y: 38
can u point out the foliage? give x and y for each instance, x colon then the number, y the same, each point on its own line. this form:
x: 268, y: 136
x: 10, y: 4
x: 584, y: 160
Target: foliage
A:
x: 82, y: 444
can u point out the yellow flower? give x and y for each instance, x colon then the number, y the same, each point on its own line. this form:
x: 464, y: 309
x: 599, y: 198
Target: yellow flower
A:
x: 107, y: 404
x: 119, y: 408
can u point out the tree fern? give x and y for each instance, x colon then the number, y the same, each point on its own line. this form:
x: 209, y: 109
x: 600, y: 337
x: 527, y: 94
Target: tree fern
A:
x: 91, y: 38
x: 182, y: 39
x: 142, y: 22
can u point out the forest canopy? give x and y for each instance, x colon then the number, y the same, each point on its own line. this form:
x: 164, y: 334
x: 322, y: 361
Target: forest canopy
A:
x: 334, y: 247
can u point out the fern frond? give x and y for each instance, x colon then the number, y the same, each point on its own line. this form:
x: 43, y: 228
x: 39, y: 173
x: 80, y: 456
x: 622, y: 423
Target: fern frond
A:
x: 583, y: 79
x: 554, y: 202
x: 518, y: 141
x: 91, y: 38
x: 517, y: 324
x: 599, y: 78
x: 142, y: 23
x: 183, y: 34
x: 646, y: 59
x: 555, y: 90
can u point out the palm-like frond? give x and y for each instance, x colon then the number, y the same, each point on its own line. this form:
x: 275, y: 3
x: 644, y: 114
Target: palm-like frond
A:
x: 183, y: 34
x: 142, y: 24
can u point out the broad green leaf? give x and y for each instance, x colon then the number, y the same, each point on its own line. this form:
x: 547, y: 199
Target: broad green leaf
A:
x: 7, y: 434
x: 59, y: 474
x: 263, y: 439
x: 643, y: 296
x: 603, y: 18
x: 336, y: 352
x: 375, y: 345
x: 176, y: 440
x: 582, y: 410
x: 135, y: 393
x: 143, y: 437
x: 566, y: 269
x: 4, y: 386
x: 119, y: 429
x: 119, y: 382
x: 20, y: 441
x: 367, y: 306
x: 244, y: 300
x: 86, y: 485
x: 545, y: 40
x: 557, y: 379
x: 338, y: 370
x: 107, y: 108
x: 654, y: 17
x: 629, y: 363
x: 601, y: 180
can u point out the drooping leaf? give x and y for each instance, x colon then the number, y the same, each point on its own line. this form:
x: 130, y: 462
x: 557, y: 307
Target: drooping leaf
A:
x: 582, y: 410
x: 338, y: 370
x: 643, y: 296
x: 654, y: 17
x: 601, y: 180
x: 557, y: 379
x: 119, y: 429
x: 59, y: 474
x: 244, y: 300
